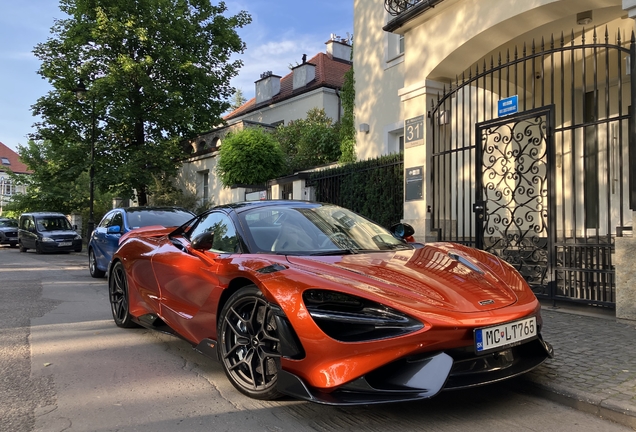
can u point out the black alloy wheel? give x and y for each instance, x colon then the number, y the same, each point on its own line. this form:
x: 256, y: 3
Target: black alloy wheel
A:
x: 92, y: 265
x: 118, y: 294
x: 249, y: 344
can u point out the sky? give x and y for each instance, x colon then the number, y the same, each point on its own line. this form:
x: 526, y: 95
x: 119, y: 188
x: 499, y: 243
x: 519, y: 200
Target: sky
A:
x: 280, y: 33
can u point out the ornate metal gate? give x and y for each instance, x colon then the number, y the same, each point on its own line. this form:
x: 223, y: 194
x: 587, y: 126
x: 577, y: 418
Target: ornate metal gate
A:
x: 512, y: 202
x: 556, y: 226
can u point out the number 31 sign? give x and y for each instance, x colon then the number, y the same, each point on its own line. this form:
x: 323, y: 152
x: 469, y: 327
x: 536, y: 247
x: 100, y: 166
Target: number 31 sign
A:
x: 414, y: 132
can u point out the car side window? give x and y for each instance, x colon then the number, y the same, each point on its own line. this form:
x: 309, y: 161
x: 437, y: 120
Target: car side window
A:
x: 106, y: 221
x: 117, y: 220
x: 225, y: 238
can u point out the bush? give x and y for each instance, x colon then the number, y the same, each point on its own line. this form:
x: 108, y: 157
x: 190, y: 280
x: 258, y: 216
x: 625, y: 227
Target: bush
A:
x: 250, y: 157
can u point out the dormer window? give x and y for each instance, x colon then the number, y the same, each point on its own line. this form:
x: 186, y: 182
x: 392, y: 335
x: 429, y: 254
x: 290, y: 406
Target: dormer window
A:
x: 6, y: 161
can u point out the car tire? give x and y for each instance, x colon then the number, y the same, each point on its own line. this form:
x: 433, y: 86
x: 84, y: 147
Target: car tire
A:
x: 118, y: 295
x: 249, y: 344
x: 92, y: 266
x: 78, y: 249
x: 38, y: 248
x: 22, y: 248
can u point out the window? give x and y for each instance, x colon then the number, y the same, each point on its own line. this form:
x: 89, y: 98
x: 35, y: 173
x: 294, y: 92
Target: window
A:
x: 104, y: 223
x: 206, y: 186
x: 401, y: 45
x: 225, y: 238
x: 6, y: 186
x: 6, y: 161
x: 117, y: 220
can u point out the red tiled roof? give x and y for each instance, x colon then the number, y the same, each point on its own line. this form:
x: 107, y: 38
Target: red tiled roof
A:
x: 16, y: 164
x: 329, y: 73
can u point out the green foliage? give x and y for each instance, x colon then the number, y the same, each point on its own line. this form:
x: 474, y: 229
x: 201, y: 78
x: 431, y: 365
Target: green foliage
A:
x: 309, y: 142
x: 164, y: 193
x: 250, y: 157
x: 373, y: 188
x: 237, y: 100
x: 157, y: 71
x: 347, y: 128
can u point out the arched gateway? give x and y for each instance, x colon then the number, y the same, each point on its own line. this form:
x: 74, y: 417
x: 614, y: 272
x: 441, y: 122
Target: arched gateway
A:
x: 530, y: 162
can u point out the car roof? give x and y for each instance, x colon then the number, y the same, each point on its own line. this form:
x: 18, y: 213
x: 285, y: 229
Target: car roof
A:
x: 151, y: 208
x: 240, y: 206
x: 43, y: 214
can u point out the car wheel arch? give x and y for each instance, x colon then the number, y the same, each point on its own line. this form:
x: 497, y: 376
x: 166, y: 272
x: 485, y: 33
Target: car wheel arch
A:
x: 234, y: 286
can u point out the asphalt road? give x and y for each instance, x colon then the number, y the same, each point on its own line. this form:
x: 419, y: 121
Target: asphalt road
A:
x: 64, y: 366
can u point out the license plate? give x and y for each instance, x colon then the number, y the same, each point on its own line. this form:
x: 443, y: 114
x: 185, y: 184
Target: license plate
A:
x: 65, y: 243
x: 505, y: 335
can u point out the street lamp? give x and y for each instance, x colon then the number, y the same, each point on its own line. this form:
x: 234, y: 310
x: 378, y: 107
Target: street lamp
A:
x: 80, y: 92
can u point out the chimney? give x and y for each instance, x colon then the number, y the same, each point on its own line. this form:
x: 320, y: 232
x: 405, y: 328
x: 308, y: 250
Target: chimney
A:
x: 304, y: 73
x: 267, y: 87
x: 339, y: 49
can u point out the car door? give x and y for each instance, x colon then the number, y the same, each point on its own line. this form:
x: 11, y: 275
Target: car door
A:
x: 98, y: 239
x: 189, y: 282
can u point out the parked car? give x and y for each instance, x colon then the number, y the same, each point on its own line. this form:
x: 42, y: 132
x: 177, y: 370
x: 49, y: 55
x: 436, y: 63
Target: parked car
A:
x: 47, y: 232
x: 105, y: 238
x: 316, y: 302
x: 8, y: 232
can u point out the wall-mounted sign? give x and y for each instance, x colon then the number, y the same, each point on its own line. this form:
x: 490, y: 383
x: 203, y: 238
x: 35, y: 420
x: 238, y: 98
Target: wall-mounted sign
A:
x: 414, y: 132
x: 507, y: 106
x: 414, y: 179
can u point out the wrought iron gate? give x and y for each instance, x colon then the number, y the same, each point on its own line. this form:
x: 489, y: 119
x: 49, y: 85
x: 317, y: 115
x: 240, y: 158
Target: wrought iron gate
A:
x: 587, y: 88
x: 515, y: 174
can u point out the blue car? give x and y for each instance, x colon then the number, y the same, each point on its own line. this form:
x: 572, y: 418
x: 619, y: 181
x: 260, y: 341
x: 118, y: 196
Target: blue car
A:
x: 104, y: 240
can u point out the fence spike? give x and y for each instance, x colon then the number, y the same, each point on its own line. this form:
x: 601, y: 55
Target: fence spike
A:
x: 572, y: 40
x: 594, y: 35
x: 533, y: 46
x: 583, y: 37
x: 542, y: 44
x: 606, y: 35
x: 552, y: 41
x: 562, y: 39
x: 618, y: 39
x: 633, y: 37
x: 524, y: 49
x: 499, y: 61
x: 516, y: 52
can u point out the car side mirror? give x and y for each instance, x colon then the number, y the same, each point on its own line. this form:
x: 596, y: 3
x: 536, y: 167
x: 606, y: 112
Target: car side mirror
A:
x: 402, y: 230
x: 115, y: 229
x: 204, y: 241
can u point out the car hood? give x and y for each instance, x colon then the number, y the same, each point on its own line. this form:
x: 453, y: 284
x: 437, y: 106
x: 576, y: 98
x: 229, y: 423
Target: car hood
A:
x: 446, y: 276
x: 8, y: 229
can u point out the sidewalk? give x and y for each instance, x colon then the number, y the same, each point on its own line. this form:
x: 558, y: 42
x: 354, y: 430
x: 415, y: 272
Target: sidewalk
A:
x: 594, y: 368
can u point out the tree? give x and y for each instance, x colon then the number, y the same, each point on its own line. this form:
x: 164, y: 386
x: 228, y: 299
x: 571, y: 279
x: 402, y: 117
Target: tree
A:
x: 158, y: 72
x: 250, y: 157
x: 309, y: 142
x: 237, y: 100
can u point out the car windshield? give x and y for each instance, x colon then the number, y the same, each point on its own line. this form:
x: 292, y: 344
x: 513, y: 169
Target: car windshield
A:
x: 8, y: 223
x: 138, y: 218
x: 320, y: 230
x: 53, y: 223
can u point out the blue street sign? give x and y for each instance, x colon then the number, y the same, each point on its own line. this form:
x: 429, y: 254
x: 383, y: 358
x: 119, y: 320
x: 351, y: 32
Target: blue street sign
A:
x: 507, y: 106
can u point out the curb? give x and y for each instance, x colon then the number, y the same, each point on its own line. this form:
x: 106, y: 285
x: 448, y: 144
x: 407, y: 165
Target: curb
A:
x: 582, y: 401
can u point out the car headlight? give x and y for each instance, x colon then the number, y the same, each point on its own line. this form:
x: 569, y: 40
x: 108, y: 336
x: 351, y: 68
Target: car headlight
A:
x: 349, y: 318
x: 47, y: 239
x: 77, y: 237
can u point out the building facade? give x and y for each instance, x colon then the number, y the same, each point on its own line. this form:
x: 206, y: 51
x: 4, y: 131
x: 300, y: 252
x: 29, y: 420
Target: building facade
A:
x: 9, y: 160
x: 312, y: 83
x: 516, y: 125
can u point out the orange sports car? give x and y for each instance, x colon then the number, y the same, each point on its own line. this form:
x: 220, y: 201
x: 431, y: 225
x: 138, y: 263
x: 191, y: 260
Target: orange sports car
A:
x: 314, y: 301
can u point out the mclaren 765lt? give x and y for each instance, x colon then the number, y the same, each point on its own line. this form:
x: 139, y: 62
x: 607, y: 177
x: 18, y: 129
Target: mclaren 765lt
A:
x: 316, y: 302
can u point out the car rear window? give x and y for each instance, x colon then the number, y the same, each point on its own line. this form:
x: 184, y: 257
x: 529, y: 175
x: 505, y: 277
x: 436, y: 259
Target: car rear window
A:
x: 166, y: 218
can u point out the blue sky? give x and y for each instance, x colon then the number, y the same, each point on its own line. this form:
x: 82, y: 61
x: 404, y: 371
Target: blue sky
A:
x: 280, y: 33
